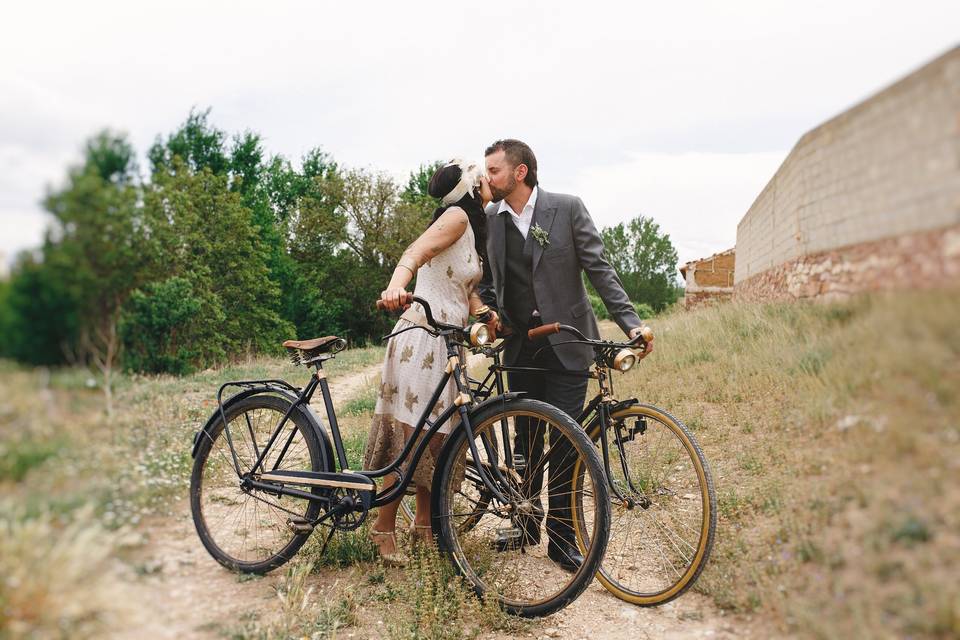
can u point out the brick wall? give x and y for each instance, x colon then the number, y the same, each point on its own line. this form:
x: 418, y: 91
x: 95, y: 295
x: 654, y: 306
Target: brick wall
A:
x: 887, y: 169
x: 708, y: 280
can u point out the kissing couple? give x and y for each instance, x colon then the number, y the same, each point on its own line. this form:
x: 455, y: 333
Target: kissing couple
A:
x: 502, y: 248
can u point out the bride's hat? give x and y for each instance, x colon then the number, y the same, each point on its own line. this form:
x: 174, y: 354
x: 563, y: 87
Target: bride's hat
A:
x: 455, y: 180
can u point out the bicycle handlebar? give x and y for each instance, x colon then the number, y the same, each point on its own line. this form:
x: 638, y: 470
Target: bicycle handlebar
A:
x: 545, y: 330
x: 409, y: 298
x: 645, y: 335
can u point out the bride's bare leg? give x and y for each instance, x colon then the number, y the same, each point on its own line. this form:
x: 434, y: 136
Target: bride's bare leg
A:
x: 422, y: 517
x: 421, y: 521
x: 386, y: 522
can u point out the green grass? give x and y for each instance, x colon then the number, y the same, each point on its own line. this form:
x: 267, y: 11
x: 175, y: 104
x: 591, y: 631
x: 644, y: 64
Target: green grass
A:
x: 18, y: 457
x: 362, y: 404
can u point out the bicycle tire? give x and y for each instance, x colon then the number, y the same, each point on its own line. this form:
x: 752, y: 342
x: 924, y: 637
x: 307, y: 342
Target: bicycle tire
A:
x: 626, y: 569
x: 207, y: 496
x: 536, y: 586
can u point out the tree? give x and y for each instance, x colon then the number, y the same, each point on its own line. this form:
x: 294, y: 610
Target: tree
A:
x: 645, y: 260
x: 196, y: 143
x: 168, y: 328
x: 202, y: 232
x: 97, y: 247
x: 417, y: 190
x: 39, y: 324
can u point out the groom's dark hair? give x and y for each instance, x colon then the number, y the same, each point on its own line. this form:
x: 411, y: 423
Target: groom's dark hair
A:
x: 517, y: 153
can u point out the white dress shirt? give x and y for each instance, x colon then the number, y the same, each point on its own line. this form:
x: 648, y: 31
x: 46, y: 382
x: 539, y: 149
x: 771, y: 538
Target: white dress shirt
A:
x: 525, y: 217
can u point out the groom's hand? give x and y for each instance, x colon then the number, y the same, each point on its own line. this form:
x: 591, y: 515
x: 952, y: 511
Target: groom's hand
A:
x: 648, y: 343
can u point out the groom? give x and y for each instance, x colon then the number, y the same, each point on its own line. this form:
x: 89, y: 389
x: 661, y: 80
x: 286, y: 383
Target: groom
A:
x: 538, y: 243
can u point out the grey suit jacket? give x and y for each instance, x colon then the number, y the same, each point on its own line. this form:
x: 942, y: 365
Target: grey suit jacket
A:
x: 574, y: 246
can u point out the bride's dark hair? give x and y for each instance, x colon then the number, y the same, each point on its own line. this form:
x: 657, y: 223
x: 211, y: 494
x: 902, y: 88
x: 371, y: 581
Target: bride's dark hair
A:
x: 444, y: 181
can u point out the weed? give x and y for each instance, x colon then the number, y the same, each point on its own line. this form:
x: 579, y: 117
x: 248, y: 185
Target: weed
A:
x: 18, y: 457
x: 911, y: 530
x: 344, y: 549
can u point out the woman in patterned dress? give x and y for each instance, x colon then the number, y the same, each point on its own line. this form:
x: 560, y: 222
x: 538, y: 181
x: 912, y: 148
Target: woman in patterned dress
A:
x: 448, y: 262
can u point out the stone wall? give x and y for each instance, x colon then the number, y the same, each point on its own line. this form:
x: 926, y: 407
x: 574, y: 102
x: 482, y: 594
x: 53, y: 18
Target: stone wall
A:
x: 860, y: 198
x: 914, y: 261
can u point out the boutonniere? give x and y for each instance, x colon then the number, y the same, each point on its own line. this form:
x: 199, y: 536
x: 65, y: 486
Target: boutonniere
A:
x: 540, y: 235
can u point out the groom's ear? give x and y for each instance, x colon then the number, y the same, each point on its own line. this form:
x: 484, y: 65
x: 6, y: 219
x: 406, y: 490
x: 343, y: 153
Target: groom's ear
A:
x: 520, y: 172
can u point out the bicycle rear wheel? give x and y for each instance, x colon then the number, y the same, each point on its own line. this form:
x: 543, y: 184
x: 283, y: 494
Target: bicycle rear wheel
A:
x: 246, y: 529
x: 512, y: 551
x: 660, y: 540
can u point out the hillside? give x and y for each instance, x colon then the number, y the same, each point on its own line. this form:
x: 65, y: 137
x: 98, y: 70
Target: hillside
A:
x: 833, y: 432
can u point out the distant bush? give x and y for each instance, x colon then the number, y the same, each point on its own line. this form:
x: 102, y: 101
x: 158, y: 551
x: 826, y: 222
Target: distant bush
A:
x: 643, y: 310
x: 598, y: 309
x: 162, y: 325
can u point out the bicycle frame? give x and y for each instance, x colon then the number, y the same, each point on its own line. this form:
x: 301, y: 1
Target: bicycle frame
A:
x: 462, y: 405
x: 603, y: 405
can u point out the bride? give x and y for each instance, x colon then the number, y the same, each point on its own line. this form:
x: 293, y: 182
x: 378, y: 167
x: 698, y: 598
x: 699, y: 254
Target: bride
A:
x: 447, y: 260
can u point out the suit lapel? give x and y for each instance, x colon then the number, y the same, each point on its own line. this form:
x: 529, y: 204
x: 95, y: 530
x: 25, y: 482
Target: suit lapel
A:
x: 543, y: 214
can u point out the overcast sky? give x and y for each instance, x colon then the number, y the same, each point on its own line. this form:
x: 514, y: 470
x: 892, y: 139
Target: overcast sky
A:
x: 680, y: 111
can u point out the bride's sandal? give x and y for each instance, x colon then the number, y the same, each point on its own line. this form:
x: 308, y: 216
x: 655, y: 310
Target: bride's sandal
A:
x: 390, y: 559
x: 421, y: 534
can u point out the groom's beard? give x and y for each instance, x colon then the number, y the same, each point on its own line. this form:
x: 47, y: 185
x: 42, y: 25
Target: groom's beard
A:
x: 500, y: 194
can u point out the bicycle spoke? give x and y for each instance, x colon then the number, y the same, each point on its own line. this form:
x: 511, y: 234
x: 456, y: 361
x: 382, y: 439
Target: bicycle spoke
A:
x: 245, y: 528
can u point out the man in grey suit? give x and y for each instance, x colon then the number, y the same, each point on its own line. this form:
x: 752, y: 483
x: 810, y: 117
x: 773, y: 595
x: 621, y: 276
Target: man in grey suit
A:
x: 538, y: 243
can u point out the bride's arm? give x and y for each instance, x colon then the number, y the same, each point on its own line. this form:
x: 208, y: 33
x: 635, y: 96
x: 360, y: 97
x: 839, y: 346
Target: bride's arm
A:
x: 441, y: 234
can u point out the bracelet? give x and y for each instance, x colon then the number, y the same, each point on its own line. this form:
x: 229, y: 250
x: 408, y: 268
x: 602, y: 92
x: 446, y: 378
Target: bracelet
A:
x: 407, y: 266
x: 479, y: 311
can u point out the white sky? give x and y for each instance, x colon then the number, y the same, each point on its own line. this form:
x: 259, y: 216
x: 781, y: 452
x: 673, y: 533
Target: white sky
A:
x: 680, y: 111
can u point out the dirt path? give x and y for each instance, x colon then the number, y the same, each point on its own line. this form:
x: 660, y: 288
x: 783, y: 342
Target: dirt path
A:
x: 176, y: 590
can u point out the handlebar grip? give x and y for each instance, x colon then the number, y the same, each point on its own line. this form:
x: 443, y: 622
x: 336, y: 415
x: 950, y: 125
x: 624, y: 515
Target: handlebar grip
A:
x: 545, y: 330
x: 407, y: 299
x: 645, y: 335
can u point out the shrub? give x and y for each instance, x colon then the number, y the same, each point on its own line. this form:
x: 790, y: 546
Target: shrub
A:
x: 163, y: 328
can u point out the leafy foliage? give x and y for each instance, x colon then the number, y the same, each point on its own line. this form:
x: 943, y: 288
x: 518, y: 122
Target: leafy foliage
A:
x: 645, y: 259
x: 163, y: 328
x: 222, y: 250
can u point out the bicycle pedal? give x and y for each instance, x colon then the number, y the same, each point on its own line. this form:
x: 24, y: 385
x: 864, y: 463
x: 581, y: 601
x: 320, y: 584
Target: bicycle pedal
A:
x: 638, y: 428
x: 299, y: 525
x: 507, y: 538
x: 519, y: 463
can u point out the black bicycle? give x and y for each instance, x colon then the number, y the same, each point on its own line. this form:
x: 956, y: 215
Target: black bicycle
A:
x: 265, y: 477
x: 661, y: 490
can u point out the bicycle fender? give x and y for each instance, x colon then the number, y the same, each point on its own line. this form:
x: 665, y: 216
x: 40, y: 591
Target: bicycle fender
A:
x: 326, y: 444
x: 622, y: 404
x: 503, y: 397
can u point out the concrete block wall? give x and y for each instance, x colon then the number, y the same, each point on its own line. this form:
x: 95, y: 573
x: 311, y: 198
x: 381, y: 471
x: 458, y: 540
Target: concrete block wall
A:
x: 887, y: 168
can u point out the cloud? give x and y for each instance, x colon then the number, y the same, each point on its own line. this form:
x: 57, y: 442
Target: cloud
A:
x: 697, y: 198
x: 690, y: 90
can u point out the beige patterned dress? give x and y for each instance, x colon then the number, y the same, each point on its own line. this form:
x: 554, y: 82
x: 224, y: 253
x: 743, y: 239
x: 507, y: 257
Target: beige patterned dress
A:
x: 415, y: 360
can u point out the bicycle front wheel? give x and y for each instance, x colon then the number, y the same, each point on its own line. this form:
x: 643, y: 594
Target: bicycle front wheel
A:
x: 246, y: 529
x: 518, y: 551
x: 662, y: 534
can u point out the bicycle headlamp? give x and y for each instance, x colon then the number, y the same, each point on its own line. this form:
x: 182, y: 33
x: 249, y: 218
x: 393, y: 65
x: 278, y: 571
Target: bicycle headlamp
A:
x: 479, y: 334
x: 624, y: 360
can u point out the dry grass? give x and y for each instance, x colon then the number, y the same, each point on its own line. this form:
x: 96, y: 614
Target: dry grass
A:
x: 299, y: 611
x: 80, y: 482
x: 833, y: 431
